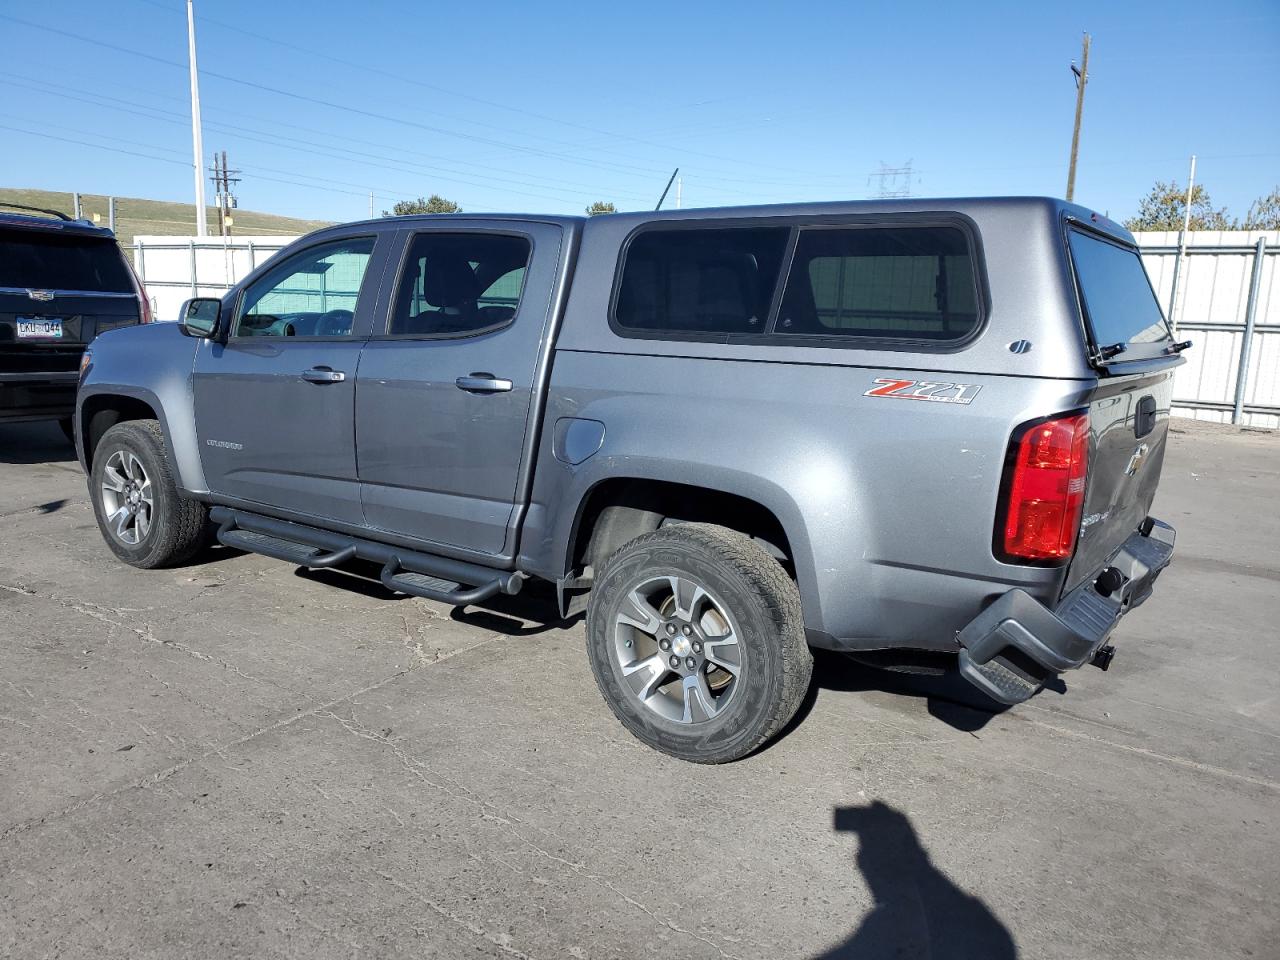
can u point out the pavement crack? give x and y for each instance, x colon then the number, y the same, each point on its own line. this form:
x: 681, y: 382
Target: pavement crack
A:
x: 501, y: 942
x: 490, y: 812
x: 217, y: 750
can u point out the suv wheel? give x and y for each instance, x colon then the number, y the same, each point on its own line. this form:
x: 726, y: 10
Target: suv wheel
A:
x: 697, y: 643
x: 143, y: 518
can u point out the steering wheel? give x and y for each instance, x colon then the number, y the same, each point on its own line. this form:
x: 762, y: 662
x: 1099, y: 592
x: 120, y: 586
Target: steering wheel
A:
x: 335, y: 323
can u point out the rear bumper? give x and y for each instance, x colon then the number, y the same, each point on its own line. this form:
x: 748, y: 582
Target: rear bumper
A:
x: 1010, y: 649
x: 37, y: 396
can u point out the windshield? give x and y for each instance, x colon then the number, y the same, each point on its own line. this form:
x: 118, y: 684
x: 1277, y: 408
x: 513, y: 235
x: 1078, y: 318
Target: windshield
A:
x: 43, y: 261
x: 1119, y: 304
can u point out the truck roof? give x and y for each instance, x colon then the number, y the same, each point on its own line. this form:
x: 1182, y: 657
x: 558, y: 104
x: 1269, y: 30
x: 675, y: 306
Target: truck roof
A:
x: 972, y: 205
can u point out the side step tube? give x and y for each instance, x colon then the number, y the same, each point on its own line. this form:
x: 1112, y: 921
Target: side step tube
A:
x: 449, y: 581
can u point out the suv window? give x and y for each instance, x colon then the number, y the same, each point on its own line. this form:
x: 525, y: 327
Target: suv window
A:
x: 700, y: 281
x: 459, y: 283
x: 1118, y: 300
x: 901, y: 283
x: 51, y: 261
x: 312, y: 294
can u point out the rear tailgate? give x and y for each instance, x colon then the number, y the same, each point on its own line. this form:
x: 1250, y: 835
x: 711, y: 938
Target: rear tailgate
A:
x: 1132, y: 347
x: 1129, y: 423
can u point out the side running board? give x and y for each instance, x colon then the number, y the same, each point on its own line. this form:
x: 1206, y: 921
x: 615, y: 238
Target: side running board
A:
x: 454, y: 582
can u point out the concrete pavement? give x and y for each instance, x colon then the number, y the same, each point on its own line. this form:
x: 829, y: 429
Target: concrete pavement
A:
x: 235, y: 760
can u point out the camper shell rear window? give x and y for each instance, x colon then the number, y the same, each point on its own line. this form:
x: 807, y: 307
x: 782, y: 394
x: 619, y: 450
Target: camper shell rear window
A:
x: 1120, y: 309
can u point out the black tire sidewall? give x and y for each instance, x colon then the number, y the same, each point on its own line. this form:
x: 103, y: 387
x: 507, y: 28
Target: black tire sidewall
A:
x: 745, y: 721
x: 153, y: 549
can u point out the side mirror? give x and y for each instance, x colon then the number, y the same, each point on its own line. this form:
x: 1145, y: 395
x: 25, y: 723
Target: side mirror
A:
x: 200, y: 316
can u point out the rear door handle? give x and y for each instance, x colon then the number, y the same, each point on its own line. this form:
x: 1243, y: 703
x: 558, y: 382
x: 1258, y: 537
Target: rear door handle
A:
x: 483, y: 383
x: 323, y: 375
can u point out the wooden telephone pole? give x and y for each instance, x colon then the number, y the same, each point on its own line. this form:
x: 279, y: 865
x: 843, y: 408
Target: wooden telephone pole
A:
x: 1082, y: 77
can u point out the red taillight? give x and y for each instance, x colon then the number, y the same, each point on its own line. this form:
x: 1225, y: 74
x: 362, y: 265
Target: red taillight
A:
x: 1046, y: 489
x: 144, y: 304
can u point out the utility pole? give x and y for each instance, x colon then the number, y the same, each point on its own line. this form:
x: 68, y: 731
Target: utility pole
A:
x: 1082, y: 78
x: 197, y: 146
x: 370, y: 204
x: 679, y: 191
x: 222, y: 179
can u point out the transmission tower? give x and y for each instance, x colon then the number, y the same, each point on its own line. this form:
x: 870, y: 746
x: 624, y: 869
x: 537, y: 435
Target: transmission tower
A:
x: 893, y: 181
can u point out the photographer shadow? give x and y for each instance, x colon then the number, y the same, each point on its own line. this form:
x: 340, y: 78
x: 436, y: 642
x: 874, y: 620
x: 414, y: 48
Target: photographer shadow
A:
x: 919, y: 911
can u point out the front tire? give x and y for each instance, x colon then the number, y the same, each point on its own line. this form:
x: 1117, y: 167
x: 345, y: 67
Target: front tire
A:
x: 697, y: 643
x: 143, y: 518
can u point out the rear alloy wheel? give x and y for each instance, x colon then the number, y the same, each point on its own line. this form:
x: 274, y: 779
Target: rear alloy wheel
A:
x: 143, y: 518
x: 696, y: 642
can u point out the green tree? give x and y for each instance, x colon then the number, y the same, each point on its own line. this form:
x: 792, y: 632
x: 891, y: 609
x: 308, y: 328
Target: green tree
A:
x: 599, y: 207
x: 1163, y: 208
x: 432, y: 204
x: 1264, y: 213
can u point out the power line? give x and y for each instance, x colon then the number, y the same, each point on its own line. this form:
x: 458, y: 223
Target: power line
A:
x: 506, y: 145
x: 325, y: 150
x: 404, y: 78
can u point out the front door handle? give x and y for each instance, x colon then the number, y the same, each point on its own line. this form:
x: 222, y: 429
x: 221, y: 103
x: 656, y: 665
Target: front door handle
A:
x: 323, y: 375
x: 483, y: 383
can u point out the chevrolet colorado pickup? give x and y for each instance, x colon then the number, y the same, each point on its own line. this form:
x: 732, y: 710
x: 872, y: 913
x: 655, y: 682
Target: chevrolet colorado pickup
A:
x: 898, y: 429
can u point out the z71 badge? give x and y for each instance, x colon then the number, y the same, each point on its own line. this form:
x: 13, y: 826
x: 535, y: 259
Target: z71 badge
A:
x: 924, y: 390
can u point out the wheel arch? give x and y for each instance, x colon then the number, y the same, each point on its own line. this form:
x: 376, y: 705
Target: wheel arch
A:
x: 616, y: 509
x: 100, y: 410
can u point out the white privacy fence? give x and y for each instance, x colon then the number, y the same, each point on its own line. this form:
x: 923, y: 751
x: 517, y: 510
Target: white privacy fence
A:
x: 1229, y: 306
x: 175, y: 268
x: 1228, y: 302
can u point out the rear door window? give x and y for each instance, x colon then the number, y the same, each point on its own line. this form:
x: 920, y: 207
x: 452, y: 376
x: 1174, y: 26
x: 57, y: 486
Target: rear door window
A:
x: 699, y: 281
x: 1120, y: 307
x: 899, y: 283
x: 459, y: 284
x: 52, y: 261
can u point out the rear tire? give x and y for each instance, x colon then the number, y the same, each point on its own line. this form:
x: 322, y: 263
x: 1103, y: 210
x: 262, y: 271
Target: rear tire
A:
x: 143, y: 518
x: 697, y: 643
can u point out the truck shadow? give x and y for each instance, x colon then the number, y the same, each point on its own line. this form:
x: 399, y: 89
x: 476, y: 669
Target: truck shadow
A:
x: 532, y: 611
x: 31, y: 443
x: 949, y: 697
x: 918, y: 910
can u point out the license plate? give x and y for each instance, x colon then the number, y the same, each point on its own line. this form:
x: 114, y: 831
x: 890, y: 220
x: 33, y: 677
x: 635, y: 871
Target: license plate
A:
x: 38, y: 328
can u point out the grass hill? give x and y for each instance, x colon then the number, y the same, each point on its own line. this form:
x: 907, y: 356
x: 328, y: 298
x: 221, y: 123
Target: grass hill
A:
x: 158, y: 217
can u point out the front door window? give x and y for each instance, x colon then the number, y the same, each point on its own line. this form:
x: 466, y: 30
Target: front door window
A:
x: 312, y: 294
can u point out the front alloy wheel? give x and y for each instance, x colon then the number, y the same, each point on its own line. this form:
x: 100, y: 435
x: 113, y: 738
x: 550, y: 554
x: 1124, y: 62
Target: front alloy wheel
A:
x: 127, y: 497
x: 144, y: 518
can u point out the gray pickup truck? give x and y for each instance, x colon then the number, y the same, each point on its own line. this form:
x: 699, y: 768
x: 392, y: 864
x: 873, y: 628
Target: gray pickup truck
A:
x: 913, y: 431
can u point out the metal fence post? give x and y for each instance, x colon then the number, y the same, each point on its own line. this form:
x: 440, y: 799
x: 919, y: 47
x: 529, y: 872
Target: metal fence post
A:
x: 1177, y: 269
x: 1246, y: 343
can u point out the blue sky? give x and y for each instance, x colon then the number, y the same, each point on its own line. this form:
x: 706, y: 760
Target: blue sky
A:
x: 548, y: 106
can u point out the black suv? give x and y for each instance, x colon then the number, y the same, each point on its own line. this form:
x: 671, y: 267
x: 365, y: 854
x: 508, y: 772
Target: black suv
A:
x: 62, y: 282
